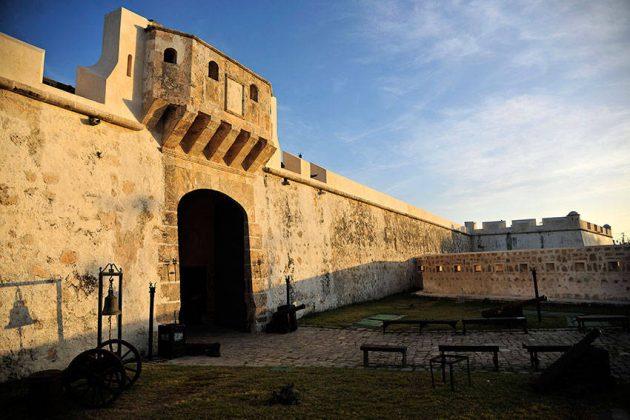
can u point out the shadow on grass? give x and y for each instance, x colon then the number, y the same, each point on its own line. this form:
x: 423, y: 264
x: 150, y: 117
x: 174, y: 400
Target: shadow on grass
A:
x: 240, y: 392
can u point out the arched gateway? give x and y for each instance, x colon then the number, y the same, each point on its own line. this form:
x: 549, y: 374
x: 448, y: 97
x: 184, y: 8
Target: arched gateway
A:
x: 215, y: 289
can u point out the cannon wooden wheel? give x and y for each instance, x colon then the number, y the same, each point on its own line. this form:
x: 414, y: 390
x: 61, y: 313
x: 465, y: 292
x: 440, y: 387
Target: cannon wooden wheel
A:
x: 95, y: 378
x: 128, y: 355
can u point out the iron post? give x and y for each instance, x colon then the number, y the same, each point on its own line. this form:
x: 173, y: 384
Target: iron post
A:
x: 99, y: 337
x: 536, y: 294
x: 151, y: 304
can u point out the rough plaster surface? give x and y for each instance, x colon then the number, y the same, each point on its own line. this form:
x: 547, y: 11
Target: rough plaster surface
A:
x: 586, y: 273
x: 73, y: 197
x: 336, y: 250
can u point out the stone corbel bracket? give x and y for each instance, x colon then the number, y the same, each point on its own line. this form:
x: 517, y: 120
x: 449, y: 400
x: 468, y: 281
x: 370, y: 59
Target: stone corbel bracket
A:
x: 203, y: 135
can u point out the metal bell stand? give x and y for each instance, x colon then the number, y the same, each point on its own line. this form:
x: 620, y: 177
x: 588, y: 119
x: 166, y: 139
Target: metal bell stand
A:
x: 97, y: 377
x: 110, y: 271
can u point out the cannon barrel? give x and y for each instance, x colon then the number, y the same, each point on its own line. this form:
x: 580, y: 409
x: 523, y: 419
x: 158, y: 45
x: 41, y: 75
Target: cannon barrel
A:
x: 284, y: 319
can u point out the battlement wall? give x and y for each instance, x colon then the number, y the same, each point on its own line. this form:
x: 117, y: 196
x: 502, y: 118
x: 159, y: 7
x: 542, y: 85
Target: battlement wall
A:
x: 570, y: 222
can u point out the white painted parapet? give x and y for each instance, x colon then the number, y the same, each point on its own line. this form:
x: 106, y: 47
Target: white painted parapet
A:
x: 301, y: 170
x: 20, y: 61
x: 116, y: 79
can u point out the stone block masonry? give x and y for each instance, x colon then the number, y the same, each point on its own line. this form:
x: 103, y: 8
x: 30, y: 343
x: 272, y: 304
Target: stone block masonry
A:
x: 590, y: 274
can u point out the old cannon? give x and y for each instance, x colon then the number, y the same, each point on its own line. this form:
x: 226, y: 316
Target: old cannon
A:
x: 97, y: 376
x: 284, y: 320
x: 513, y: 309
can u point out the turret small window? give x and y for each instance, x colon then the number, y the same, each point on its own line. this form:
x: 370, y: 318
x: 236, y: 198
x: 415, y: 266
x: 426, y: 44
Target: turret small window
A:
x: 253, y: 93
x: 129, y: 65
x: 213, y: 70
x: 170, y: 56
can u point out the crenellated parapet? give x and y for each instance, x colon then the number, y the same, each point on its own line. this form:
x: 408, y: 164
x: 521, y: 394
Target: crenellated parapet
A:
x: 553, y: 232
x: 571, y: 221
x: 204, y: 103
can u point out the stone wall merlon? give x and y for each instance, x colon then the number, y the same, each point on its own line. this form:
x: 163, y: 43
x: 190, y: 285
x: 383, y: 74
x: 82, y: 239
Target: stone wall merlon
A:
x: 523, y: 225
x: 496, y: 226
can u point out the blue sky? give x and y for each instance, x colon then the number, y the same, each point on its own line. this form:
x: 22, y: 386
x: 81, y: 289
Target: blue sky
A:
x: 474, y: 110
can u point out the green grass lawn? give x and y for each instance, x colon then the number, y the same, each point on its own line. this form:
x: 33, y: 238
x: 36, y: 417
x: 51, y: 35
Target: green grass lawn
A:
x: 412, y: 306
x: 167, y: 391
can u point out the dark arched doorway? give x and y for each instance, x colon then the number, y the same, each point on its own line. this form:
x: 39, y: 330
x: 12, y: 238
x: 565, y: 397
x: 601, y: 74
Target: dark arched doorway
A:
x: 211, y: 230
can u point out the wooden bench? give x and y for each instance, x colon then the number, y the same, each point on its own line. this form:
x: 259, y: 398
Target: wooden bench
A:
x: 506, y: 322
x: 534, y: 349
x: 477, y: 348
x: 383, y: 348
x: 421, y: 323
x: 622, y: 320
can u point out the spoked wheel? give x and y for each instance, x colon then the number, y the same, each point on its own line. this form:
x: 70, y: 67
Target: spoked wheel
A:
x: 95, y: 378
x: 128, y: 355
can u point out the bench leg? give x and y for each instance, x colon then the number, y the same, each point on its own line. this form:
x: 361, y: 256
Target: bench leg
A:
x: 404, y: 359
x: 450, y: 371
x: 468, y: 369
x: 443, y: 366
x: 432, y: 378
x: 365, y: 358
x: 495, y: 360
x: 463, y: 328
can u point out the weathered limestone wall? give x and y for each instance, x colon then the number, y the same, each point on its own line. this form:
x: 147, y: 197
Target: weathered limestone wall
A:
x: 337, y: 250
x: 73, y: 197
x: 598, y: 273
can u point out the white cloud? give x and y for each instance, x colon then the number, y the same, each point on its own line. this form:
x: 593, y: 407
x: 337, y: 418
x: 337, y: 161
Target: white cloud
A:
x: 542, y: 123
x: 533, y: 152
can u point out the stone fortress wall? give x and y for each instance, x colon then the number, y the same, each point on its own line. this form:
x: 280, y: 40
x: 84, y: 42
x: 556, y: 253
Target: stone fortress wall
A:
x: 554, y: 232
x: 99, y: 176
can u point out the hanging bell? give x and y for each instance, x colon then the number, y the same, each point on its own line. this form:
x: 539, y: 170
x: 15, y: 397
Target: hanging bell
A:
x: 110, y: 307
x: 19, y: 315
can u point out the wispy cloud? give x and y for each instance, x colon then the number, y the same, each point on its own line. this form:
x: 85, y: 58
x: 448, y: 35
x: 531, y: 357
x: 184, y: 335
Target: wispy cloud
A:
x: 502, y: 109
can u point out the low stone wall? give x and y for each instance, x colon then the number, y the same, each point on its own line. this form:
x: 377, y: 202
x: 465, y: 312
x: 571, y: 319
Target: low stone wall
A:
x: 598, y: 273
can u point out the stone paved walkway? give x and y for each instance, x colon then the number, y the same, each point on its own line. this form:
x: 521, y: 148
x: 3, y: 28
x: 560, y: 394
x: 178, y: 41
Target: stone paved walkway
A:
x: 324, y: 347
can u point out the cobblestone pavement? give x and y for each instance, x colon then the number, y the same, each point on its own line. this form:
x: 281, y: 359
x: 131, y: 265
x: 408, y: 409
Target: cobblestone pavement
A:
x: 325, y: 347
